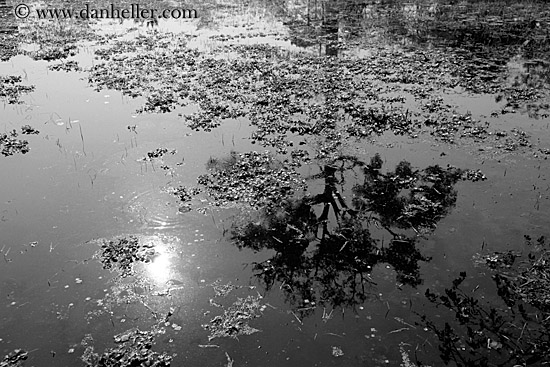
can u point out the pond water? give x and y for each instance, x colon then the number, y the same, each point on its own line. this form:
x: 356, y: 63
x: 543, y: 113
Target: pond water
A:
x: 88, y: 179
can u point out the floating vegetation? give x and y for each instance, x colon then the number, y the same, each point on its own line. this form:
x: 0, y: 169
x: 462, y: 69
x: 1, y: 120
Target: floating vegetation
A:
x: 222, y: 290
x: 473, y: 175
x: 252, y: 178
x: 284, y: 90
x: 119, y: 59
x: 14, y: 359
x: 235, y: 319
x: 184, y: 194
x: 480, y: 38
x: 134, y: 349
x: 497, y: 260
x: 157, y: 154
x: 10, y: 89
x: 162, y: 101
x: 121, y: 253
x: 405, y: 358
x: 56, y: 40
x: 9, y: 46
x: 320, y: 237
x: 122, y: 294
x: 66, y: 66
x: 50, y: 53
x: 29, y: 130
x: 10, y: 145
x: 532, y: 280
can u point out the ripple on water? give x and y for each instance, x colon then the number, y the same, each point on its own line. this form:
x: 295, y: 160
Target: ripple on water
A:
x: 156, y: 210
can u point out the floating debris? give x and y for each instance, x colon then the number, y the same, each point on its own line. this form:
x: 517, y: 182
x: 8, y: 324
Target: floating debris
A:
x: 222, y: 290
x: 497, y: 260
x: 337, y: 351
x: 493, y: 344
x: 122, y: 293
x: 135, y: 349
x: 473, y: 175
x: 532, y: 283
x: 406, y: 360
x: 15, y: 358
x: 229, y: 360
x: 235, y: 319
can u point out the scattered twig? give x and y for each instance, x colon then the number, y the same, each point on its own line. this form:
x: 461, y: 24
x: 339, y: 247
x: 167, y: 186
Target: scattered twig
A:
x: 82, y: 138
x: 326, y: 316
x: 297, y: 318
x: 229, y: 360
x: 333, y: 334
x: 522, y: 330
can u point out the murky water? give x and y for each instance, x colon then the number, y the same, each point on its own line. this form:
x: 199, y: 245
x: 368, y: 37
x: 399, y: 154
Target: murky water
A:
x: 84, y: 180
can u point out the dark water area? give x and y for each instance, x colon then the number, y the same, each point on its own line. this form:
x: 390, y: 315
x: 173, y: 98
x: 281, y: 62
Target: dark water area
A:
x: 277, y: 184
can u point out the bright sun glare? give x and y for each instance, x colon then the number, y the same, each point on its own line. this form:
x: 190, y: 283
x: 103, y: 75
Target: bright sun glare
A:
x: 159, y: 268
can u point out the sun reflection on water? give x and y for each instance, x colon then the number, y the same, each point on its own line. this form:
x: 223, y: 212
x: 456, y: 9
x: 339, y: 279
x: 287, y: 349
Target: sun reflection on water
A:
x: 159, y: 268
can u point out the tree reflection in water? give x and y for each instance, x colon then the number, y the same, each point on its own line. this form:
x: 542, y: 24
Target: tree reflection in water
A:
x: 326, y: 247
